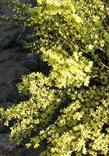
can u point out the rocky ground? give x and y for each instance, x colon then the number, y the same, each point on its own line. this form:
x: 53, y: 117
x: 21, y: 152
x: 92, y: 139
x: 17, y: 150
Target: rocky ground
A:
x: 15, y: 61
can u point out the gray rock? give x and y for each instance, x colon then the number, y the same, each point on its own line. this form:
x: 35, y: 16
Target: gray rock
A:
x: 6, y: 11
x: 2, y: 127
x: 22, y: 43
x: 31, y: 64
x: 6, y: 104
x: 30, y: 56
x: 29, y: 37
x: 11, y: 149
x: 24, y: 152
x: 5, y: 144
x: 20, y: 35
x: 23, y: 71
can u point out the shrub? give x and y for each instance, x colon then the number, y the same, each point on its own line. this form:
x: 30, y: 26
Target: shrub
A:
x: 69, y: 108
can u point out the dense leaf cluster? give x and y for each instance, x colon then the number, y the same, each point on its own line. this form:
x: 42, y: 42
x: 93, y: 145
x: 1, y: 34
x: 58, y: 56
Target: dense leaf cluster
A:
x: 69, y: 108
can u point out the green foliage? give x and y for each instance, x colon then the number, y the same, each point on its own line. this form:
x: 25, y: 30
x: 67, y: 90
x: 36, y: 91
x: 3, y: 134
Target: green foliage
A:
x: 69, y: 108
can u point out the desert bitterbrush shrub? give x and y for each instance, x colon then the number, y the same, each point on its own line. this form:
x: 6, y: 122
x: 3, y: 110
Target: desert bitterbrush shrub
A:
x: 69, y: 107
